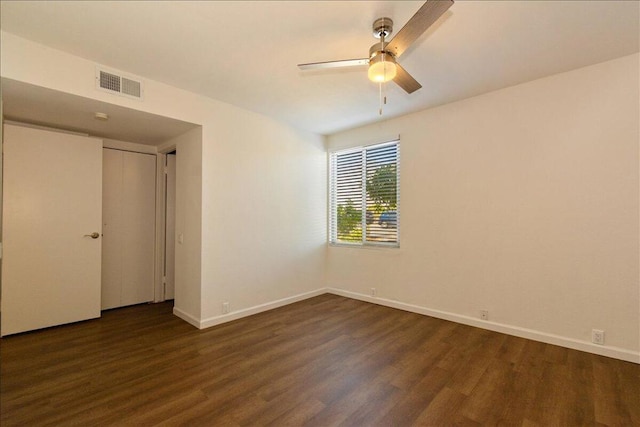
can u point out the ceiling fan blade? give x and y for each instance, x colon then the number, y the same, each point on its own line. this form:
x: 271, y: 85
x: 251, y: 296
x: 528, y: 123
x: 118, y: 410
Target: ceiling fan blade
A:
x: 405, y: 81
x: 429, y: 13
x: 333, y: 64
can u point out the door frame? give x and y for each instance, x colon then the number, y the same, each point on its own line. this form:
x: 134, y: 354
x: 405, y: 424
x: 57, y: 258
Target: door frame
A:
x: 161, y: 219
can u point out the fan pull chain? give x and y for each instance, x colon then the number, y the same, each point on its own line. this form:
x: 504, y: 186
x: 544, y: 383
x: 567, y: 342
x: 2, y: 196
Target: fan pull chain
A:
x: 383, y: 99
x: 385, y: 93
x: 380, y: 92
x: 380, y: 85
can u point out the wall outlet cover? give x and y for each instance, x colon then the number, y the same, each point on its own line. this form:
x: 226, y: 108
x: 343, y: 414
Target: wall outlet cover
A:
x: 597, y: 336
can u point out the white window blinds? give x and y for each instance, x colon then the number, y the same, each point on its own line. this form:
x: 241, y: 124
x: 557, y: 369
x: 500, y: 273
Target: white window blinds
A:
x: 365, y: 184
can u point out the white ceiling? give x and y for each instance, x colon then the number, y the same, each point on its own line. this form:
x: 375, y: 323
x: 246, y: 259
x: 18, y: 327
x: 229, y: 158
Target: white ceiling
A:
x: 245, y: 52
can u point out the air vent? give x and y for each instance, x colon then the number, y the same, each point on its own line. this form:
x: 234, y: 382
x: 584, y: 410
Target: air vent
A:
x: 130, y: 87
x: 113, y: 82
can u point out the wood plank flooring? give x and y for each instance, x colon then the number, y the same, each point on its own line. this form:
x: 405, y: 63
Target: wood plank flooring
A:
x: 326, y: 361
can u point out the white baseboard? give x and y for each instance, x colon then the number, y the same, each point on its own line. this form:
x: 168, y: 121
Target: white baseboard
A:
x: 216, y: 320
x: 608, y: 351
x: 186, y: 317
x: 614, y: 352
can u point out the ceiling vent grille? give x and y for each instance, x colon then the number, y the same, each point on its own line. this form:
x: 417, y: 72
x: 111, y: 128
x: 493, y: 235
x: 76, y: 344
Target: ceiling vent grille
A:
x: 115, y: 83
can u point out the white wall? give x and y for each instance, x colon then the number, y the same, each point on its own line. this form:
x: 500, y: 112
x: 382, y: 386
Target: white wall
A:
x: 244, y: 171
x: 523, y: 202
x: 188, y: 254
x: 265, y: 230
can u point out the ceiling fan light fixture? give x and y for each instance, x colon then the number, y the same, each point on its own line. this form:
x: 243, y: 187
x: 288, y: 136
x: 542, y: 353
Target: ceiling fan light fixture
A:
x: 382, y: 68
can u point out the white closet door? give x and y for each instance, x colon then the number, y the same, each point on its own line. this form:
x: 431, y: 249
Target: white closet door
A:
x: 138, y: 226
x: 52, y: 201
x: 111, y: 228
x: 129, y: 228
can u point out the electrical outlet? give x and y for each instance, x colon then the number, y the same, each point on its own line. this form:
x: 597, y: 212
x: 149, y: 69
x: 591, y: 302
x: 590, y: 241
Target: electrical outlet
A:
x: 373, y: 292
x: 484, y: 314
x: 225, y: 307
x: 597, y: 336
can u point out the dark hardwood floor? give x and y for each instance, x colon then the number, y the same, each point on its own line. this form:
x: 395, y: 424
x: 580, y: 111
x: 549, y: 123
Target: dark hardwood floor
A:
x: 322, y: 362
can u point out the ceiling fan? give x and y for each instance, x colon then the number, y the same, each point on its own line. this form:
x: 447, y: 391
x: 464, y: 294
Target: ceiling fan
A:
x: 382, y: 60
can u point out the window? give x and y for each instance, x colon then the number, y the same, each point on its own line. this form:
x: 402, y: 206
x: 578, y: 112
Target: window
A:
x: 365, y: 184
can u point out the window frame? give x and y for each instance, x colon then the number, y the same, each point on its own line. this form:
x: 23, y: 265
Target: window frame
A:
x: 333, y: 229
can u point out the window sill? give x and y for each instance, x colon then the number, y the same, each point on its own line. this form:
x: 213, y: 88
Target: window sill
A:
x: 364, y: 246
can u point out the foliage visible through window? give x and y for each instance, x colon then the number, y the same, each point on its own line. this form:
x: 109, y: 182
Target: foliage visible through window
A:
x: 364, y: 195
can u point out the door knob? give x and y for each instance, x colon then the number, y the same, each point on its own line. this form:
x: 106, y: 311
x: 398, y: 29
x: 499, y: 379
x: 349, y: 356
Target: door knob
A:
x: 93, y: 235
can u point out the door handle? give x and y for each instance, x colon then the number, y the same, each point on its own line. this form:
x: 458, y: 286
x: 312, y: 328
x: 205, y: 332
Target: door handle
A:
x: 93, y: 235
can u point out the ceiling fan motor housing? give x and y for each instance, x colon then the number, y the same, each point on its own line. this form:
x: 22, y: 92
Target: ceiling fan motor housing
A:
x: 378, y: 48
